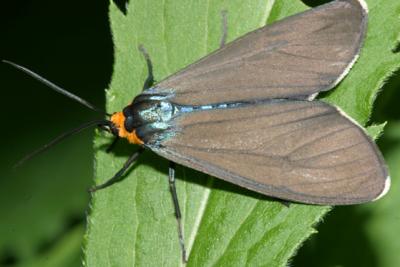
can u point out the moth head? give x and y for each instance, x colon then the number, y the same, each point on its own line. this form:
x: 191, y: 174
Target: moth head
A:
x: 122, y: 125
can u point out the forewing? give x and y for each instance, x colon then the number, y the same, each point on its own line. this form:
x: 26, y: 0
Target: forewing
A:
x: 293, y: 58
x: 295, y: 150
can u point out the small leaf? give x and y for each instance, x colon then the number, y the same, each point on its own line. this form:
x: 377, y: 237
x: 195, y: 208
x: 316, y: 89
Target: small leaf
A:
x: 376, y: 130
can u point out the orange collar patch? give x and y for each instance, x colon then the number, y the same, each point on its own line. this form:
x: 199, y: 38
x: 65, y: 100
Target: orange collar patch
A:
x: 118, y: 119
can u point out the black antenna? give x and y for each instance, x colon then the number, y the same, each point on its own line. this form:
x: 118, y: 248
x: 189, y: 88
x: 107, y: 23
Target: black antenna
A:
x: 55, y: 87
x: 61, y: 137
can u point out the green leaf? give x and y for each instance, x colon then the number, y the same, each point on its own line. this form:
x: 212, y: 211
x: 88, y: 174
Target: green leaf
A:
x: 376, y: 130
x: 132, y: 222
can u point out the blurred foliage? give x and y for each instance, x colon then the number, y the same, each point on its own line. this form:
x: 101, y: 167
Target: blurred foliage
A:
x: 43, y: 204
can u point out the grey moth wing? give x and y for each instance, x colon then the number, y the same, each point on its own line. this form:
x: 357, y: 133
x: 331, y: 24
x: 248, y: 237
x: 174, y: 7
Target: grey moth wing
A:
x: 304, y: 151
x: 293, y: 58
x: 252, y: 120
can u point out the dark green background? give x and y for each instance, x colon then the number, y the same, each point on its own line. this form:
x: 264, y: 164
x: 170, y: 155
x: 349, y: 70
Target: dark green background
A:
x: 44, y: 202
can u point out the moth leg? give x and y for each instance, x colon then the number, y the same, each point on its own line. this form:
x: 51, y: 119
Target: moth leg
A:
x: 178, y: 214
x: 150, y: 77
x: 171, y: 173
x: 119, y: 175
x: 224, y: 24
x: 114, y: 142
x: 112, y: 145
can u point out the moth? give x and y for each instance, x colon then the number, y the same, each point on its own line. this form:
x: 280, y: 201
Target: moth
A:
x: 247, y: 113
